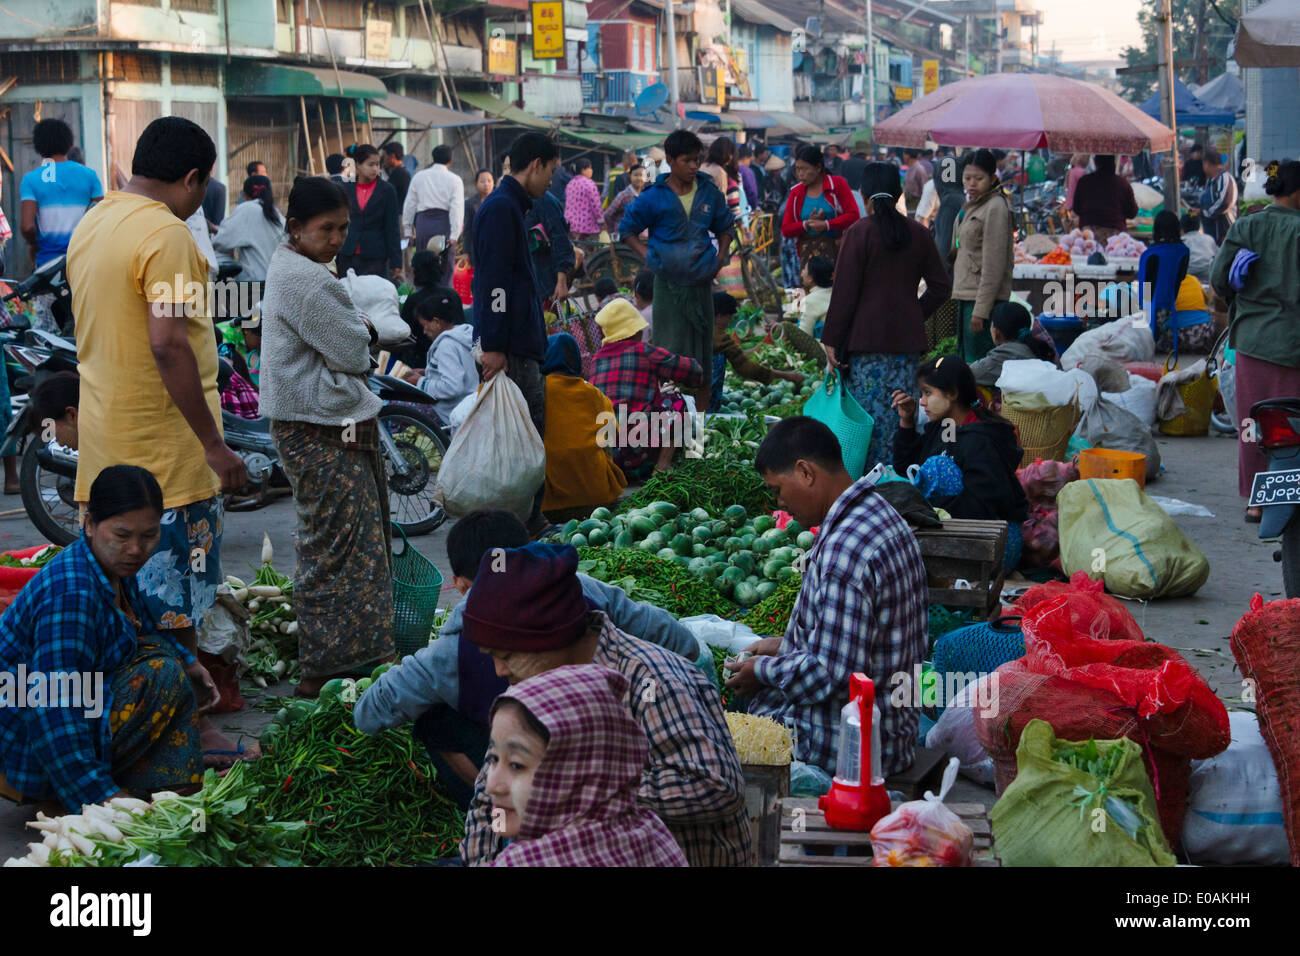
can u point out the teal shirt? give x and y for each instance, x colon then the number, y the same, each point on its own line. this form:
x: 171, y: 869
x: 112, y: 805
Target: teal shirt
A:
x: 1265, y: 315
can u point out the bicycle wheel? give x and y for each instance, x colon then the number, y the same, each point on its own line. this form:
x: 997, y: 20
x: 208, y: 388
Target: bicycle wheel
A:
x: 1223, y: 416
x: 48, y: 499
x: 417, y: 439
x: 760, y: 286
x: 616, y: 262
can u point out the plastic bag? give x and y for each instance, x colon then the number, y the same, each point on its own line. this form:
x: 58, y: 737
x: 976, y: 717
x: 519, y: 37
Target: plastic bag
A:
x: 1126, y: 340
x: 954, y: 733
x: 375, y: 298
x: 461, y: 411
x: 1040, y: 538
x: 1111, y: 528
x: 1139, y: 398
x: 807, y: 780
x: 1043, y: 480
x: 1106, y: 372
x: 1107, y: 425
x: 497, y: 459
x: 713, y: 631
x: 1049, y: 815
x: 1026, y: 377
x: 1234, y: 804
x: 924, y: 832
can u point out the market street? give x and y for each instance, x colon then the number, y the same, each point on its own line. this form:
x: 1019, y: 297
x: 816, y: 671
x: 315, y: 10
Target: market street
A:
x: 1198, y: 471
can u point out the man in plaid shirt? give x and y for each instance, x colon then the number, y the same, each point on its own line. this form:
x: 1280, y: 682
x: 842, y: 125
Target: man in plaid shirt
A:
x: 692, y: 779
x: 862, y: 606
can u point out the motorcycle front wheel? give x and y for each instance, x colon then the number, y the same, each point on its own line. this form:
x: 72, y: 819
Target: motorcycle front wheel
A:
x: 412, y: 446
x: 49, y: 499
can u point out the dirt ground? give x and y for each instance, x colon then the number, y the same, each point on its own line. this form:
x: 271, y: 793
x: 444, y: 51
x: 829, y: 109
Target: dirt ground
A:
x: 1197, y: 470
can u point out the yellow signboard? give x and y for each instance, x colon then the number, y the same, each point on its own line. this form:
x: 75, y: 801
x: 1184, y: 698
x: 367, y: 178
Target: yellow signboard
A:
x: 903, y: 94
x: 503, y: 57
x: 548, y: 29
x: 713, y: 85
x: 929, y: 76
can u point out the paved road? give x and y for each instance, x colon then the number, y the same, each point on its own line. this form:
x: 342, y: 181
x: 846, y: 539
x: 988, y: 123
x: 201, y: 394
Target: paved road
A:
x: 1198, y: 470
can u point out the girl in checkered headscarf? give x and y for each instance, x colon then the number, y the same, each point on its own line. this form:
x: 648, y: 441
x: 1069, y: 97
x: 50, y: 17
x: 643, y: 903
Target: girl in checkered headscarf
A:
x: 564, y: 767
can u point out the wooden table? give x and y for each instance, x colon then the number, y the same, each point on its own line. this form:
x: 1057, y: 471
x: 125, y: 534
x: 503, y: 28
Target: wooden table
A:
x: 803, y: 826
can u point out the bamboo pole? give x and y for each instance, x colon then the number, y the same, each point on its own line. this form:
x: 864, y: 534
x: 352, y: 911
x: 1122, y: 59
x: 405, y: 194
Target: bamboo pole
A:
x: 320, y: 112
x: 338, y: 125
x: 306, y: 135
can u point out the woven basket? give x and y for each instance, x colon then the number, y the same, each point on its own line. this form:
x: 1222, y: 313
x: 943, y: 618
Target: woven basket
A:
x: 1043, y: 434
x: 1198, y: 398
x: 417, y: 585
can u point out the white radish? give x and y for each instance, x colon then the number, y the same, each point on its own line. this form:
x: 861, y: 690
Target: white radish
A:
x: 293, y: 628
x: 265, y: 591
x: 267, y: 551
x: 260, y: 681
x: 284, y: 627
x: 130, y: 804
x: 40, y: 854
x: 64, y: 845
x: 277, y: 599
x: 280, y: 668
x: 240, y: 595
x: 163, y: 795
x: 254, y: 604
x: 83, y: 845
x: 19, y: 861
x: 234, y: 582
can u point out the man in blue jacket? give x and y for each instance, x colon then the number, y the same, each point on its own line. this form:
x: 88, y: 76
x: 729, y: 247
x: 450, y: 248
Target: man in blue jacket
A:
x: 683, y: 211
x: 508, y: 320
x: 447, y: 688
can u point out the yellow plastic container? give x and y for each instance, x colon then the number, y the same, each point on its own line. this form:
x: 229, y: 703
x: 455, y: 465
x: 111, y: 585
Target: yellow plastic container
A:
x: 1111, y: 463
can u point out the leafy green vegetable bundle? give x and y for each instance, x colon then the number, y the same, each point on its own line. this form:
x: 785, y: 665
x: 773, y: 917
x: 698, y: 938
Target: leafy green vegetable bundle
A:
x: 708, y: 483
x: 369, y: 800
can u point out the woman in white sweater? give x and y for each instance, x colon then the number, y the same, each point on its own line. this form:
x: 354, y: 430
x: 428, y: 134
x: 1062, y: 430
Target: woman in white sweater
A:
x: 315, y: 366
x: 252, y: 231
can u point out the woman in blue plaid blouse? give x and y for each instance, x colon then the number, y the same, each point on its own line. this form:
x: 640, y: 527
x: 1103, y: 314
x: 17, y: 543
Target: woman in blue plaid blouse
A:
x: 94, y: 700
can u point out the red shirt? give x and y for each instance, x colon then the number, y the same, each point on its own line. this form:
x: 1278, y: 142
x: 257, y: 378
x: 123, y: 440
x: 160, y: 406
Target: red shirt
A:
x: 364, y: 192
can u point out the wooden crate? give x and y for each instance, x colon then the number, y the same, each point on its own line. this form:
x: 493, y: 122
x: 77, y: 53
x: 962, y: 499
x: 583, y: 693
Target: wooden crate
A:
x: 967, y: 549
x: 803, y: 827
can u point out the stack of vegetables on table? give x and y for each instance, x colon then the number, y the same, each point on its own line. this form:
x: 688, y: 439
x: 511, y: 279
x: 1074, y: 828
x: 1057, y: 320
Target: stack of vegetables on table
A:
x: 227, y: 823
x: 368, y: 799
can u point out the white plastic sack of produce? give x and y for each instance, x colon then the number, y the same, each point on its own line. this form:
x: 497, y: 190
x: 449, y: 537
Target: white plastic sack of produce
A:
x: 497, y: 459
x: 1026, y: 377
x: 1234, y: 805
x: 376, y: 299
x: 1139, y: 399
x: 1125, y: 340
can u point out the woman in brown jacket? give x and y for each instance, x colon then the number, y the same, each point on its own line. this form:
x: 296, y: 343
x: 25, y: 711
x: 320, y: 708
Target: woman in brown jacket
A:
x: 982, y: 244
x: 875, y: 323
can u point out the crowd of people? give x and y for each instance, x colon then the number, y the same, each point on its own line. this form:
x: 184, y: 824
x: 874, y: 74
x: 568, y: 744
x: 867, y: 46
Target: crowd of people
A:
x: 516, y: 711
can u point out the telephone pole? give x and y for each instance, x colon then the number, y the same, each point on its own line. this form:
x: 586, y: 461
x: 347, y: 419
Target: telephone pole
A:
x: 1168, y: 111
x: 674, y: 94
x: 869, y: 68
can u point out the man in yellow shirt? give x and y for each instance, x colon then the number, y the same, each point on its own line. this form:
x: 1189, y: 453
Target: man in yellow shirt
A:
x: 148, y: 364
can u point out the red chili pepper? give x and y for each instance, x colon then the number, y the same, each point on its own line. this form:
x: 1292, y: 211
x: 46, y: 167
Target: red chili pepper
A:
x: 414, y: 769
x: 343, y: 751
x: 284, y: 787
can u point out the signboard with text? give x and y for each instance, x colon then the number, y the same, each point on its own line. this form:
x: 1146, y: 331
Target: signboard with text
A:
x: 929, y: 76
x: 379, y: 39
x: 548, y: 29
x: 503, y: 57
x: 903, y: 94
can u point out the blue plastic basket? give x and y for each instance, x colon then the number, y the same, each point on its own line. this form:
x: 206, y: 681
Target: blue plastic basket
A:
x: 1063, y: 329
x: 976, y: 649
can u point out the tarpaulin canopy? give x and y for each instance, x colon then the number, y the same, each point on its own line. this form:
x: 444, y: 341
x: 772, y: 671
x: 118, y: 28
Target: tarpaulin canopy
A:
x: 1269, y: 35
x: 506, y: 112
x: 792, y: 124
x: 619, y: 141
x: 1025, y: 111
x: 1189, y: 109
x: 257, y: 78
x: 427, y: 115
x: 1224, y: 92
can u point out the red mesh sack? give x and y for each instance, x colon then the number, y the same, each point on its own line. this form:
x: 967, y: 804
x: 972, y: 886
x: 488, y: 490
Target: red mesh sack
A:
x: 1087, y: 687
x: 1095, y: 613
x: 1043, y: 479
x: 1266, y: 644
x: 13, y: 580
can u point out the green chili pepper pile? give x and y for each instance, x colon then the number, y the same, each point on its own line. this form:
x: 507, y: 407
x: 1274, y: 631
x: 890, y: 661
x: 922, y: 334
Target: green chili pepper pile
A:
x: 709, y: 483
x: 369, y: 800
x: 648, y: 579
x: 771, y: 615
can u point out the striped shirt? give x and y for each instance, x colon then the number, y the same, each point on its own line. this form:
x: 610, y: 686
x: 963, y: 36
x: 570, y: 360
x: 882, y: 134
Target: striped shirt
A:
x: 692, y: 781
x: 62, y: 193
x: 862, y: 608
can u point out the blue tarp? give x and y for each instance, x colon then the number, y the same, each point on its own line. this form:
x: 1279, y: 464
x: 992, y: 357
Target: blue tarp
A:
x: 1188, y: 110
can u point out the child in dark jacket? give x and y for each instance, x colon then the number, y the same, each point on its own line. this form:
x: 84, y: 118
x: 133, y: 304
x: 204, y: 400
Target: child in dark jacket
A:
x: 982, y: 445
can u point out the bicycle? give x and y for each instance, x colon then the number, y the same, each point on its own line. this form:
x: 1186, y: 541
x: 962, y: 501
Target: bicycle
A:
x: 757, y: 242
x: 607, y: 259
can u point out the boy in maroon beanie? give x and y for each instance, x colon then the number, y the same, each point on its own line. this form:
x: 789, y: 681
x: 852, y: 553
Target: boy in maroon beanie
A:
x: 692, y: 780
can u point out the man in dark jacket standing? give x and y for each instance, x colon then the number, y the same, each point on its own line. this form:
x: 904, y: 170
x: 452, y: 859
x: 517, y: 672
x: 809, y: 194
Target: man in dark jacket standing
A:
x: 394, y: 169
x: 683, y: 211
x: 508, y: 320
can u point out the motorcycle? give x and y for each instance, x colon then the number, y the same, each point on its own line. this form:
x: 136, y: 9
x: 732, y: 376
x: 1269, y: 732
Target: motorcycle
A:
x: 411, y: 440
x: 1276, y: 423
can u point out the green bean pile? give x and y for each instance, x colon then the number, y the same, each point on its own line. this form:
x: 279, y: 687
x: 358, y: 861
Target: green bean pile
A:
x: 369, y: 800
x: 647, y: 578
x: 709, y: 483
